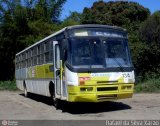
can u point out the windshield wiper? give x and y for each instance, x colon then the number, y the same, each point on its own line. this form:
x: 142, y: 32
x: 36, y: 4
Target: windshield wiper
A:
x: 119, y: 64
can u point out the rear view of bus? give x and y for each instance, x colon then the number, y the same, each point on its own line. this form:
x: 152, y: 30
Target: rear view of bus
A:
x: 83, y: 63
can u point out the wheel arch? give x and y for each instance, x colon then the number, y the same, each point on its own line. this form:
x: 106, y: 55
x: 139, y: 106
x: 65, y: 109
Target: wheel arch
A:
x: 52, y: 89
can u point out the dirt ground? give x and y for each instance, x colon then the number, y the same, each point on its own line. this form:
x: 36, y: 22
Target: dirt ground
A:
x: 14, y: 106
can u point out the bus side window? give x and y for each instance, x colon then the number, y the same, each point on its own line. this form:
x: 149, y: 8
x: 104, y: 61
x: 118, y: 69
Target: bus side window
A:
x: 26, y: 56
x: 51, y: 51
x: 51, y: 56
x: 41, y: 58
x: 20, y: 61
x: 46, y: 57
x: 42, y: 53
x: 35, y: 55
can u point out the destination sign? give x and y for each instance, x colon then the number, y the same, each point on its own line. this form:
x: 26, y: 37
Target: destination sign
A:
x: 97, y: 32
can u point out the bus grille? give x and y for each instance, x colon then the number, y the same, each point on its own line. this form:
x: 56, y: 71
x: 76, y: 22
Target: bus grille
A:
x: 107, y: 82
x: 106, y: 97
x: 107, y: 88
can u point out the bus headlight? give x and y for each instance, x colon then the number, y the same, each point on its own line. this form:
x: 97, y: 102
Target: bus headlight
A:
x: 126, y: 87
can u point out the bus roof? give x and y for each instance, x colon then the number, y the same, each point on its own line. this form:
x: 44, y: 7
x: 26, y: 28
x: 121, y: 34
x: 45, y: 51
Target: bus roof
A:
x: 95, y: 26
x: 73, y: 27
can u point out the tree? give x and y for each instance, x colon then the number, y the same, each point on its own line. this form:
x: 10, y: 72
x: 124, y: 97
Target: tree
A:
x: 150, y: 35
x: 74, y: 16
x: 121, y: 13
x: 150, y: 30
x: 73, y: 19
x: 49, y: 9
x: 23, y: 25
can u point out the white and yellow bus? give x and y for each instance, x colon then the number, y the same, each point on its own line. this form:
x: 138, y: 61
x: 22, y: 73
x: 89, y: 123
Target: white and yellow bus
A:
x: 82, y: 63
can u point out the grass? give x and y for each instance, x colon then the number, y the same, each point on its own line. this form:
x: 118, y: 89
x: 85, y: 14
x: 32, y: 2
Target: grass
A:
x: 8, y: 85
x: 151, y: 85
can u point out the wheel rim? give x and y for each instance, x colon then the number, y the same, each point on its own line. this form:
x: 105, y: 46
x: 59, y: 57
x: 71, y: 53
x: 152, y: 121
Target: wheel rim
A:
x: 25, y: 92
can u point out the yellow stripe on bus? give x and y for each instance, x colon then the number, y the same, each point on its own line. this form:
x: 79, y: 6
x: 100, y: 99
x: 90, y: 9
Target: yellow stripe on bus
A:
x: 40, y: 71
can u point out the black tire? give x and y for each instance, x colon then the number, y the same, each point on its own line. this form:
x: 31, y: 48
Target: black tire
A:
x: 52, y: 92
x: 57, y: 103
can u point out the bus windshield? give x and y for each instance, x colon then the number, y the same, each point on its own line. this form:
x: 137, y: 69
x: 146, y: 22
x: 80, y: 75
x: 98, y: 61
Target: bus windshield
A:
x: 116, y: 52
x: 95, y: 52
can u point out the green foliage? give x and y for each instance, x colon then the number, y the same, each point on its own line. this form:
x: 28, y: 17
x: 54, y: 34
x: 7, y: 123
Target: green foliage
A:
x: 150, y: 34
x: 150, y: 30
x: 8, y: 85
x: 74, y: 16
x: 47, y: 10
x: 73, y: 19
x: 152, y: 85
x: 67, y: 23
x: 21, y: 26
x: 37, y: 30
x: 119, y: 13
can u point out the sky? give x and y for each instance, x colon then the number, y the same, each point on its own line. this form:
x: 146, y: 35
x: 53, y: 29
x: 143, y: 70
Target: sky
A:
x: 78, y: 5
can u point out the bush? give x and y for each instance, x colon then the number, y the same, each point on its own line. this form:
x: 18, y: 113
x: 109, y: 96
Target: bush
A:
x: 152, y: 85
x: 8, y: 85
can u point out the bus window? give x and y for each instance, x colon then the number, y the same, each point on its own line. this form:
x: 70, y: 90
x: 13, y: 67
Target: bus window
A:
x: 86, y: 53
x: 46, y: 57
x: 41, y: 58
x: 117, y: 53
x: 51, y: 56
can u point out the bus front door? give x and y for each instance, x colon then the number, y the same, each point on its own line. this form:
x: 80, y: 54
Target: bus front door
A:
x: 57, y: 70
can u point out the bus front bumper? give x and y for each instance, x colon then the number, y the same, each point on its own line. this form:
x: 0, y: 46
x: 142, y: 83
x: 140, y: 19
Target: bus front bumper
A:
x: 76, y: 94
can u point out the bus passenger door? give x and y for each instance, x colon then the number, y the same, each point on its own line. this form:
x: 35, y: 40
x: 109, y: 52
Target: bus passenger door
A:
x: 57, y: 70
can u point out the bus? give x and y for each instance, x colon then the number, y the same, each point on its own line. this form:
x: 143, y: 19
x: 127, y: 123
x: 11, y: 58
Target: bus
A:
x: 80, y: 63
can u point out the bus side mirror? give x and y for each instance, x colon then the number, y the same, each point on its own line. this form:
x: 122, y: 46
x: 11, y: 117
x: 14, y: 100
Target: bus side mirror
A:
x: 58, y: 72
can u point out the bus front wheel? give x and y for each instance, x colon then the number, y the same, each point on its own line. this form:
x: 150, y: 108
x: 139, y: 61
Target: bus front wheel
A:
x: 57, y: 103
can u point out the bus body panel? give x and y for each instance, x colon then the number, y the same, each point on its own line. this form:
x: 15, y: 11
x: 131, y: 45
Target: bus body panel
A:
x: 99, y: 86
x: 38, y: 86
x: 36, y: 78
